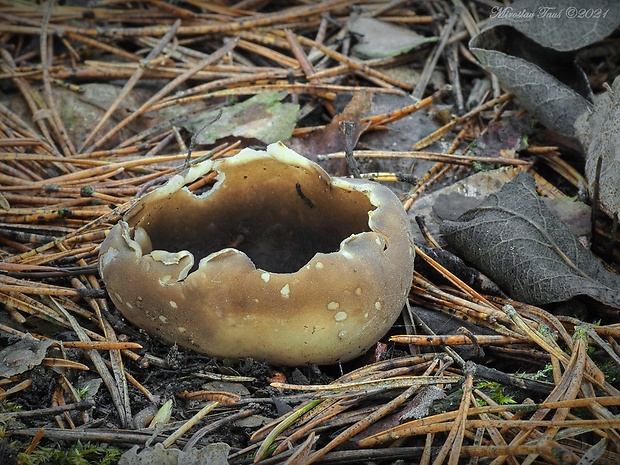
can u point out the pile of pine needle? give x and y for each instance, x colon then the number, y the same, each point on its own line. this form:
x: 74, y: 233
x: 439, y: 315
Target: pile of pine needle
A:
x: 541, y: 389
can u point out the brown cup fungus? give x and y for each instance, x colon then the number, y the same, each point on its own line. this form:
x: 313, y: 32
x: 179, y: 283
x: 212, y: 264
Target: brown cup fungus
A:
x: 276, y: 261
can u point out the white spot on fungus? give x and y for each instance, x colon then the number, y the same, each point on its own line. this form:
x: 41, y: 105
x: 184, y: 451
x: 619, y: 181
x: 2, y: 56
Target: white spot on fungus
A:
x: 129, y: 305
x: 285, y: 291
x: 378, y: 241
x: 118, y: 297
x: 319, y: 265
x: 265, y: 276
x: 346, y: 254
x: 340, y: 316
x: 173, y: 304
x: 333, y: 305
x: 378, y: 305
x: 365, y: 315
x: 163, y: 319
x: 181, y: 329
x: 358, y: 291
x: 342, y: 334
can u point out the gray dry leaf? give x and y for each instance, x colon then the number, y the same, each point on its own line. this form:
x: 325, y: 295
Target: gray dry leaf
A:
x: 599, y: 133
x: 212, y: 454
x: 378, y: 39
x: 450, y: 202
x: 503, y: 138
x: 22, y: 356
x: 420, y: 405
x: 514, y: 239
x: 263, y: 117
x: 533, y: 54
x: 81, y: 110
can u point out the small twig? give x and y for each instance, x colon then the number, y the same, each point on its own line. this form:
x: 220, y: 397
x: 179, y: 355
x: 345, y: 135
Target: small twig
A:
x: 613, y: 234
x: 118, y: 397
x: 388, y: 383
x: 116, y: 435
x: 130, y: 84
x: 428, y: 140
x: 332, y: 408
x: 215, y: 425
x: 594, y: 374
x: 595, y: 195
x: 476, y: 296
x: 192, y: 142
x: 465, y: 160
x: 59, y: 125
x: 361, y: 425
x: 354, y: 64
x: 99, y: 345
x: 213, y: 58
x: 301, y: 56
x: 348, y: 127
x: 289, y: 420
x: 84, y: 405
x: 436, y: 172
x: 418, y: 92
x: 223, y: 397
x: 454, y: 441
x: 189, y: 424
x: 454, y: 339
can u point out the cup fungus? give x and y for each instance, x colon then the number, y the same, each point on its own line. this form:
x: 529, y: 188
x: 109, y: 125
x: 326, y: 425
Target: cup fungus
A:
x: 294, y: 267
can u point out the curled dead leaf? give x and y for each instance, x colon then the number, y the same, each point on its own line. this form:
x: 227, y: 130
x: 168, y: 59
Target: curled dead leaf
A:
x: 515, y: 239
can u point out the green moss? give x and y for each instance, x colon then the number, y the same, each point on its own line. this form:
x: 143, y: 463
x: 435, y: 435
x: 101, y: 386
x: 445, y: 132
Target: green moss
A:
x: 544, y: 374
x: 496, y: 392
x: 78, y: 454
